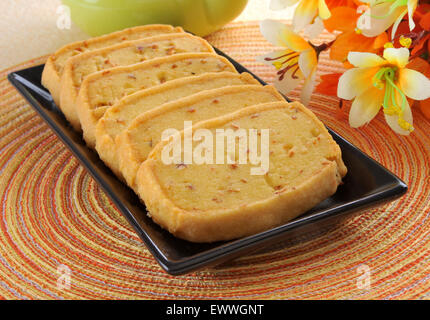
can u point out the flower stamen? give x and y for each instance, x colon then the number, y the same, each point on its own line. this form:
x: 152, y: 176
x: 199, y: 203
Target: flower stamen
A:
x: 280, y: 57
x: 281, y: 73
x: 386, y: 77
x: 405, y: 41
x: 290, y: 61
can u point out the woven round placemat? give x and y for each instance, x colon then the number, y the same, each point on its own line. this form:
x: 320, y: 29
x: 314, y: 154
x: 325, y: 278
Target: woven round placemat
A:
x: 55, y: 221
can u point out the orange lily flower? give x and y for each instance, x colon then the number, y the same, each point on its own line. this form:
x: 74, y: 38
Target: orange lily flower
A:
x: 344, y: 19
x: 421, y: 37
x: 328, y: 84
x: 331, y: 4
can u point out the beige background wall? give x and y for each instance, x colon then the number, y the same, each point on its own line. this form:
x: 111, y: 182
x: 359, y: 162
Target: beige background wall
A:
x: 28, y: 28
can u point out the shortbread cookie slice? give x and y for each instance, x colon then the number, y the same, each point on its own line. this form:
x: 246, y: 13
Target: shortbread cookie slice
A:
x: 123, y: 54
x: 54, y: 65
x: 215, y: 202
x: 143, y: 134
x: 103, y: 89
x: 117, y: 118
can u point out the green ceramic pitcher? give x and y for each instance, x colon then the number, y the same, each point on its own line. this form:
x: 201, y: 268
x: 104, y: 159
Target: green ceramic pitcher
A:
x: 200, y: 17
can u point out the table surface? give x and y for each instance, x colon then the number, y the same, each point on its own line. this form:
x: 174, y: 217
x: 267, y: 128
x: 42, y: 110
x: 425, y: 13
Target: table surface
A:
x: 28, y: 28
x: 53, y: 215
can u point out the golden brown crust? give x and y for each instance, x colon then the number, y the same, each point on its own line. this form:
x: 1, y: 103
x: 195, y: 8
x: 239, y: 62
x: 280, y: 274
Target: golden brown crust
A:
x: 236, y: 222
x: 68, y: 94
x: 51, y: 80
x: 241, y: 221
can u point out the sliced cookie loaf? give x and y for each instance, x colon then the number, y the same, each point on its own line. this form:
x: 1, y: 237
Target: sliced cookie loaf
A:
x: 103, y: 89
x: 54, y: 65
x: 136, y: 142
x: 213, y: 202
x: 117, y: 118
x: 123, y: 54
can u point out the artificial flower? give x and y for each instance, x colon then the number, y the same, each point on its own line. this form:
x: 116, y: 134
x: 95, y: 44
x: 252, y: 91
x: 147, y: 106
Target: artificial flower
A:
x: 331, y: 4
x: 297, y: 61
x: 423, y: 15
x: 421, y: 35
x: 328, y: 84
x: 422, y: 66
x: 312, y: 31
x: 344, y: 19
x: 383, y: 14
x: 377, y: 82
x: 416, y: 40
x: 306, y: 11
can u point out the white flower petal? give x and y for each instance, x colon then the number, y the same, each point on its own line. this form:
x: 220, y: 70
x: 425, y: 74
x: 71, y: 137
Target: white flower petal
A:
x: 397, y: 56
x: 308, y: 87
x: 272, y: 31
x: 281, y: 35
x: 312, y: 31
x: 365, y: 59
x: 323, y: 10
x: 305, y: 13
x: 394, y: 123
x: 378, y: 19
x: 414, y: 84
x: 307, y: 61
x: 412, y: 6
x: 365, y: 107
x: 355, y: 81
x: 289, y: 82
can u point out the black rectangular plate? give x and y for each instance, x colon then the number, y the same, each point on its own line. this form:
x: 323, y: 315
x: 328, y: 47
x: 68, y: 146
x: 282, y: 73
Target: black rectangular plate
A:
x: 367, y: 184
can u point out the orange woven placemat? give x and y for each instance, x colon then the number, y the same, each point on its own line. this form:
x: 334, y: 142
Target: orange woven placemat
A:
x: 53, y: 215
